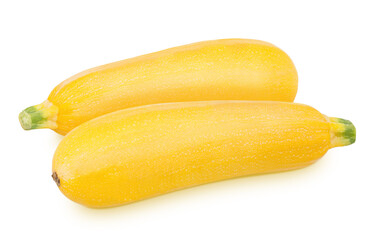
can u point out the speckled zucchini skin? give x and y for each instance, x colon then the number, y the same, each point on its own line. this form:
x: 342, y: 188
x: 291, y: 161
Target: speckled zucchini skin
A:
x: 227, y: 69
x: 138, y: 153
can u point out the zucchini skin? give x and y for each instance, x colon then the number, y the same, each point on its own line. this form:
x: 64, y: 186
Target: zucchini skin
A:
x: 226, y: 69
x: 142, y: 152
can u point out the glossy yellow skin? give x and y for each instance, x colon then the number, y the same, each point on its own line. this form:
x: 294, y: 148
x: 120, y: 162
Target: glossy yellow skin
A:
x: 228, y: 69
x: 137, y: 153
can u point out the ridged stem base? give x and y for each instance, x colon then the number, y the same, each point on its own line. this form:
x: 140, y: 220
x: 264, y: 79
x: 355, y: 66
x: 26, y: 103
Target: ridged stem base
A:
x: 43, y: 115
x: 342, y: 132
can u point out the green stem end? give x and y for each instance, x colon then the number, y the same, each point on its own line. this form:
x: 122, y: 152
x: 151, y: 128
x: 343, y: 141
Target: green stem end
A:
x: 43, y: 115
x: 31, y: 118
x: 343, y: 132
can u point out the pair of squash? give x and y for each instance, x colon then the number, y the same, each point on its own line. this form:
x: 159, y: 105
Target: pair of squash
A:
x: 181, y: 117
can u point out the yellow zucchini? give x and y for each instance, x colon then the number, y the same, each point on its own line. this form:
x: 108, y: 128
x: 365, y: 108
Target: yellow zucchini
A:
x: 228, y: 69
x: 141, y: 152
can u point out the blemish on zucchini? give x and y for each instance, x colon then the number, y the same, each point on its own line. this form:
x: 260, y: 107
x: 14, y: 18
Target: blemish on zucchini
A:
x: 56, y: 178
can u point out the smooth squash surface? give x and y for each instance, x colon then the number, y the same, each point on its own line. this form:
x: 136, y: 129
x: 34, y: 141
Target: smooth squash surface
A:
x: 228, y: 69
x: 137, y: 153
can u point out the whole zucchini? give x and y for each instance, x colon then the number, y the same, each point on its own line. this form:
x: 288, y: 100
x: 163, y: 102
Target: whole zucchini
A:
x: 137, y: 153
x: 228, y: 69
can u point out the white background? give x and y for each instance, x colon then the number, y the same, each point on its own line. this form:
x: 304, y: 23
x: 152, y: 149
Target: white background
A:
x: 337, y: 49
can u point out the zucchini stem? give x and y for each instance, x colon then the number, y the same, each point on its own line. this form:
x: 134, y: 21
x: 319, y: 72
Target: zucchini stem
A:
x: 342, y: 132
x: 43, y: 115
